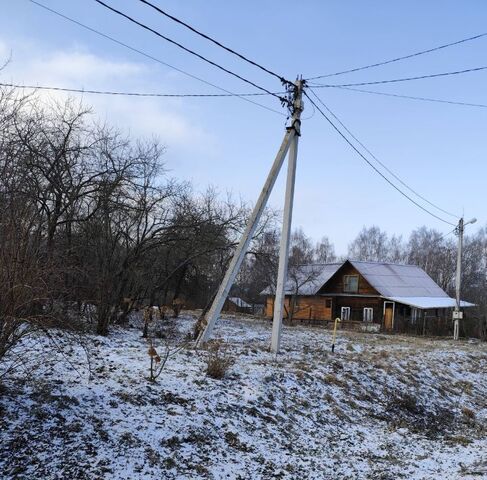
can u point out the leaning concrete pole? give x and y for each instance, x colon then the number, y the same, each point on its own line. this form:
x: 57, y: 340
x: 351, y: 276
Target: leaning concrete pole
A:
x: 286, y: 224
x: 243, y: 245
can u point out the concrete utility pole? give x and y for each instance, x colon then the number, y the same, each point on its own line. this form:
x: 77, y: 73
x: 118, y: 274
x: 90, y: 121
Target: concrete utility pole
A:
x: 457, y: 314
x: 291, y: 134
x: 286, y: 224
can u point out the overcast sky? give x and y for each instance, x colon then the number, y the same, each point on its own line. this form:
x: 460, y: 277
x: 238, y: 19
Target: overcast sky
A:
x: 438, y: 149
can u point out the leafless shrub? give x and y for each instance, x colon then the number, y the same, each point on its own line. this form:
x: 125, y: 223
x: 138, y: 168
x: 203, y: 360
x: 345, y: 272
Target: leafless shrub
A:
x: 218, y: 360
x: 164, y: 341
x: 177, y: 306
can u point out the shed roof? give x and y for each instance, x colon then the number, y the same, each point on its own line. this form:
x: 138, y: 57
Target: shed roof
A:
x: 239, y: 302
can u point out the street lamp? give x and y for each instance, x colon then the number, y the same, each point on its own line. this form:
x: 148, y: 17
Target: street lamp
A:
x: 457, y: 315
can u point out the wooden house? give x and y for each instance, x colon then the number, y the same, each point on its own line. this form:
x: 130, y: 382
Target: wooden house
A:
x: 369, y: 295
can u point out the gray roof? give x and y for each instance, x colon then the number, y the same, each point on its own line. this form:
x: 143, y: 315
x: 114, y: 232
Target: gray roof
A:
x: 395, y: 280
x: 308, y: 279
x: 430, y: 302
x: 389, y: 279
x: 407, y: 284
x: 239, y: 302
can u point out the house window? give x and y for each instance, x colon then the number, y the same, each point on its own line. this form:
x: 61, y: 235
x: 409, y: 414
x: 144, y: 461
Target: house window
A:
x: 328, y: 303
x: 414, y: 315
x: 350, y: 283
x: 345, y: 313
x: 368, y: 314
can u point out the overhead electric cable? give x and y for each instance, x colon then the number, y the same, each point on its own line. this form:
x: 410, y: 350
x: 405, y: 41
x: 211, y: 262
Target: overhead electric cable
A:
x: 416, y: 54
x: 192, y: 52
x: 395, y: 80
x: 372, y: 165
x: 425, y: 99
x: 130, y: 94
x: 385, y: 167
x: 448, y: 233
x: 216, y: 42
x: 151, y: 57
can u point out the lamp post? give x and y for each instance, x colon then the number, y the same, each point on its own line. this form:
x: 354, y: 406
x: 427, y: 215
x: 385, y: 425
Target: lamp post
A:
x: 457, y: 315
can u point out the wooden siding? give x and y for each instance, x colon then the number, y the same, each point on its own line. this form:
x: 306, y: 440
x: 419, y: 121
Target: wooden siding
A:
x: 357, y: 305
x: 335, y: 284
x: 307, y: 308
x: 229, y: 306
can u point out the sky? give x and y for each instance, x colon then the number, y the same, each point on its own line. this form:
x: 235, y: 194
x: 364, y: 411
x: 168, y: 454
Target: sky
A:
x: 437, y: 149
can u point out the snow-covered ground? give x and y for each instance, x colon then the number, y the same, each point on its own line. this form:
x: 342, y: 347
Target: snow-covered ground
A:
x: 380, y: 407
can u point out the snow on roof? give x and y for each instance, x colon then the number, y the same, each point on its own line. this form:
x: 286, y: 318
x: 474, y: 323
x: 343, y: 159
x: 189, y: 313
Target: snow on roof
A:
x: 307, y: 279
x: 239, y: 302
x: 430, y: 302
x: 396, y: 280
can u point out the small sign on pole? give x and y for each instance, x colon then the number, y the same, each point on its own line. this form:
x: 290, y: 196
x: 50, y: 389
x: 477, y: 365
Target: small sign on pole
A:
x: 457, y: 315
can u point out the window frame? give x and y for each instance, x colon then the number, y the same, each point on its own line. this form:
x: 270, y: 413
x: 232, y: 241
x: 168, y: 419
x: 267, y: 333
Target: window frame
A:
x: 368, y: 314
x: 345, y: 284
x: 348, y: 310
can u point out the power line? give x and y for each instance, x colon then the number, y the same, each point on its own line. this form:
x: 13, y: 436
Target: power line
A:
x: 372, y: 165
x: 131, y: 94
x: 416, y: 54
x: 216, y: 42
x: 395, y: 80
x: 283, y: 100
x: 151, y: 57
x: 448, y: 233
x: 385, y: 167
x: 425, y: 99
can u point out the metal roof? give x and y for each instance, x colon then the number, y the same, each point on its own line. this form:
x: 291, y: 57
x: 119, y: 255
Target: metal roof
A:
x: 395, y: 280
x: 307, y: 279
x: 429, y: 302
x: 239, y: 302
x: 407, y: 284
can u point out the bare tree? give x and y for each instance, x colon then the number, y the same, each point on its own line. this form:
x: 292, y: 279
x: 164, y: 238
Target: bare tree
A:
x: 371, y: 244
x: 324, y: 251
x: 434, y: 253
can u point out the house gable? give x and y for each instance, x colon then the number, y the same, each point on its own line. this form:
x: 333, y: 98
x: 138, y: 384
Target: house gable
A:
x: 336, y: 284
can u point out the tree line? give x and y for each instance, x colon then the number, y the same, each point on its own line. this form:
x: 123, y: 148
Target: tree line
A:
x: 91, y: 223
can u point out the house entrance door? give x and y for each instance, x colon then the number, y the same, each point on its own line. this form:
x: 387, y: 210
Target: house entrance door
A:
x: 388, y: 316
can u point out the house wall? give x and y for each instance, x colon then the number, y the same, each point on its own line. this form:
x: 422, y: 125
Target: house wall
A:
x: 357, y: 305
x: 335, y: 285
x: 229, y: 306
x: 306, y: 308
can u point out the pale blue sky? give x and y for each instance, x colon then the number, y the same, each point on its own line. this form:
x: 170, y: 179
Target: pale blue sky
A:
x: 438, y: 149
